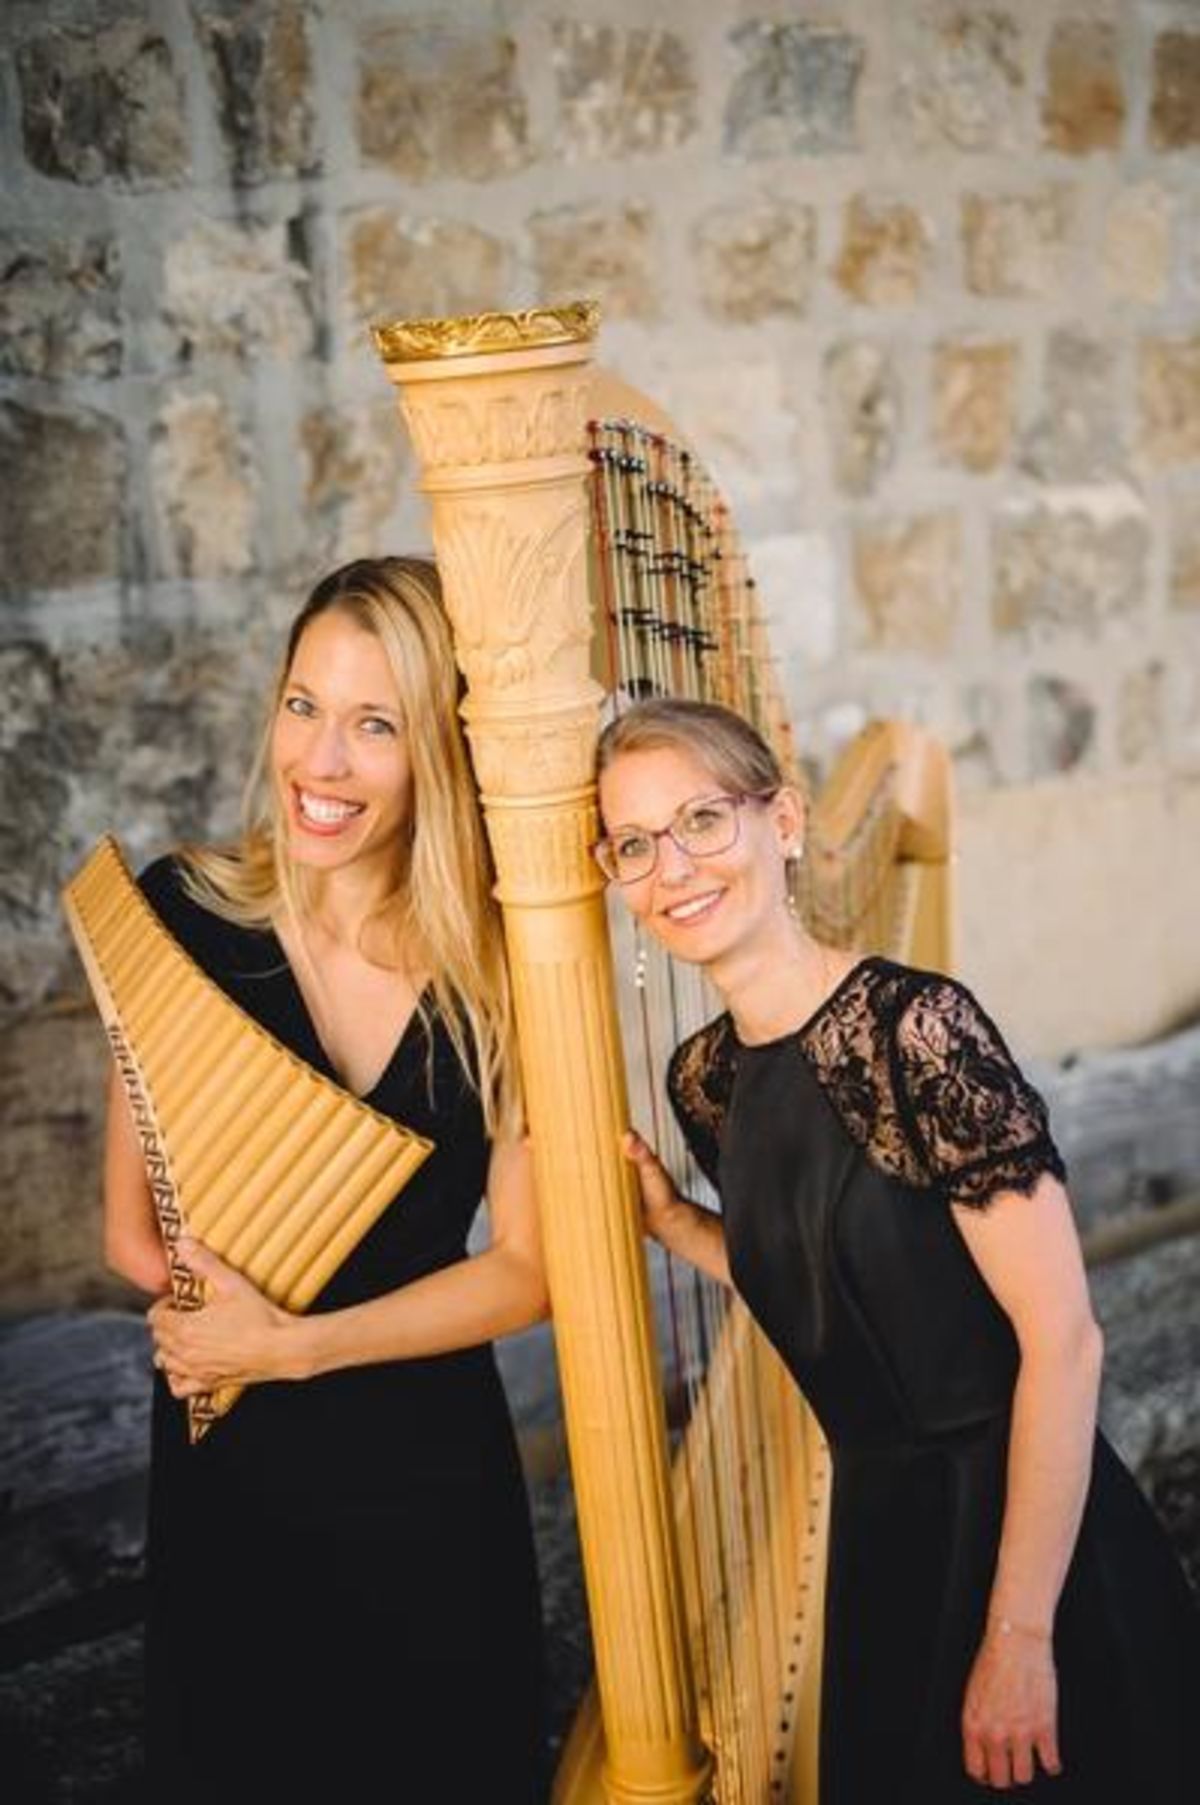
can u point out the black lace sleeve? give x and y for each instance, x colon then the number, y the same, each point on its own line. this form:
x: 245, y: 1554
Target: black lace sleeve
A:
x: 699, y: 1084
x: 978, y: 1125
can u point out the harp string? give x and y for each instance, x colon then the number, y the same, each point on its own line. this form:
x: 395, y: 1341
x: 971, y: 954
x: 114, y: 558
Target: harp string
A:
x: 681, y: 616
x: 678, y: 622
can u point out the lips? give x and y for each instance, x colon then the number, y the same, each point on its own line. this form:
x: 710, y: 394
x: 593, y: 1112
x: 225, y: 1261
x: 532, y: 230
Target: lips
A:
x: 693, y: 908
x: 326, y: 815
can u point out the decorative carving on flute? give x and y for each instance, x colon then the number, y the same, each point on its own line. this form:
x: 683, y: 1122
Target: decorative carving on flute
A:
x: 500, y: 435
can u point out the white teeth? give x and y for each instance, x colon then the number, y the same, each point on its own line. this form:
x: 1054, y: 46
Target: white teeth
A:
x: 696, y: 906
x: 326, y: 810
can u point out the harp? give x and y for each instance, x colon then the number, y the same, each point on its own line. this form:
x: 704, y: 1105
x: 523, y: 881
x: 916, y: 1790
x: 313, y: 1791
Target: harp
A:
x: 582, y: 549
x: 273, y: 1166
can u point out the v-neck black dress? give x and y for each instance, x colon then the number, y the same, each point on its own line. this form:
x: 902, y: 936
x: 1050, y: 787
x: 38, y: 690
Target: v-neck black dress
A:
x: 837, y: 1151
x: 343, y: 1598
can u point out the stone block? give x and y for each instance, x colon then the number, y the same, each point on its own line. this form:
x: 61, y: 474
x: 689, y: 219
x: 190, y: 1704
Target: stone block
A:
x: 54, y: 1069
x: 439, y: 99
x: 797, y: 580
x: 1083, y: 104
x: 1169, y: 399
x: 1149, y: 1401
x: 60, y: 310
x: 422, y: 268
x: 974, y: 736
x: 355, y: 459
x: 755, y: 262
x: 150, y: 737
x: 1062, y: 726
x: 1124, y: 1119
x: 1066, y: 569
x: 863, y: 413
x: 62, y: 493
x: 621, y: 93
x: 1184, y: 579
x: 795, y: 92
x: 908, y: 577
x: 974, y: 403
x: 260, y: 61
x: 884, y: 253
x: 961, y: 78
x: 1141, y: 714
x: 1175, y: 104
x: 1077, y: 435
x: 240, y: 289
x: 1136, y: 251
x: 103, y: 105
x: 749, y: 447
x: 1014, y: 245
x: 37, y: 743
x: 608, y: 256
x: 203, y: 487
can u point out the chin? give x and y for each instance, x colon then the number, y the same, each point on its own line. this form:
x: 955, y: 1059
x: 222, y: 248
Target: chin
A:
x: 307, y: 849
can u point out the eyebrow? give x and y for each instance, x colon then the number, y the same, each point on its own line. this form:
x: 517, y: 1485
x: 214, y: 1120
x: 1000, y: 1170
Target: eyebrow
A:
x: 363, y: 707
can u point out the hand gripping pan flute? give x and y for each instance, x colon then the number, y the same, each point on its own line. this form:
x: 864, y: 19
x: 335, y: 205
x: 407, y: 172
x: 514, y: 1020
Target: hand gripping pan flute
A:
x: 247, y: 1148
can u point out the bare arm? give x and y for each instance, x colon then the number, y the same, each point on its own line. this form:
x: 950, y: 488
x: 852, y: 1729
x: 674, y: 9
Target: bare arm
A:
x: 241, y: 1338
x: 676, y: 1223
x: 1027, y: 1251
x: 132, y: 1241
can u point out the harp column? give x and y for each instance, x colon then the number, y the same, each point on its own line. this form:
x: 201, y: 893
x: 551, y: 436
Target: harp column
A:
x: 497, y: 406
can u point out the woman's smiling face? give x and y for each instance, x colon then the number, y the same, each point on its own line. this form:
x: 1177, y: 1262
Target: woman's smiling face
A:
x: 700, y: 908
x: 339, y: 753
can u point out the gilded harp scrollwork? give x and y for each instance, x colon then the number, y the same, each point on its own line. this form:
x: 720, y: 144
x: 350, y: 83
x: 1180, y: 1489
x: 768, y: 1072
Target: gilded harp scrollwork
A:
x: 701, y: 1510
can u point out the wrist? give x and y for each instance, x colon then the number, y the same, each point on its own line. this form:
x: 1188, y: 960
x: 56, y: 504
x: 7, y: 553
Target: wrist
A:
x: 684, y: 1229
x: 1026, y: 1629
x: 295, y: 1346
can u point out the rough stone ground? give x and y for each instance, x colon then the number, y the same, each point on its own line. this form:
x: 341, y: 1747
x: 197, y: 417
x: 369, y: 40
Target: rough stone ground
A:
x: 73, y: 1401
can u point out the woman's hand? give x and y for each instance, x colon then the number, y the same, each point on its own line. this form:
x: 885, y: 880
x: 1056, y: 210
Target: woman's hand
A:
x: 679, y: 1225
x: 237, y: 1338
x: 664, y: 1211
x: 1010, y: 1712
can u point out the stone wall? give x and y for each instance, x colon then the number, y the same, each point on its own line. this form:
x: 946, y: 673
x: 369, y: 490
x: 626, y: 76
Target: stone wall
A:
x: 921, y: 282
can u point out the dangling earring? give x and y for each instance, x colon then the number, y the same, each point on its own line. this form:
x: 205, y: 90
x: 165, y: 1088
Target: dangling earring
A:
x: 639, y: 965
x: 792, y: 862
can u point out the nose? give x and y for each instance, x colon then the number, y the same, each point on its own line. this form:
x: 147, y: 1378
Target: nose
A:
x: 328, y: 754
x: 674, y: 864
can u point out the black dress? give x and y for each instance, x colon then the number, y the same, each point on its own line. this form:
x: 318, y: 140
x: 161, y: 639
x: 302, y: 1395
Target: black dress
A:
x: 343, y: 1599
x: 837, y: 1150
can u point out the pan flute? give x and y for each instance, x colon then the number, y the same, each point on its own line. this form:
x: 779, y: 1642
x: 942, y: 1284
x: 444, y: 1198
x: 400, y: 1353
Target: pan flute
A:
x: 247, y: 1148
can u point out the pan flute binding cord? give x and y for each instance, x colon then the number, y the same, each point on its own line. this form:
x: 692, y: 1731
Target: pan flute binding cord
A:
x: 273, y: 1166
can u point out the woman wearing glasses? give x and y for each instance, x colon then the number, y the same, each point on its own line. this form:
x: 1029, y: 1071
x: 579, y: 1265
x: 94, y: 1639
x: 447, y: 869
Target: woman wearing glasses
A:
x: 1003, y: 1607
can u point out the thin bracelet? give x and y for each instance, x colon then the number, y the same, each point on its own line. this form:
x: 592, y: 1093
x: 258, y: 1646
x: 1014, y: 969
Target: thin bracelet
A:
x: 1005, y: 1626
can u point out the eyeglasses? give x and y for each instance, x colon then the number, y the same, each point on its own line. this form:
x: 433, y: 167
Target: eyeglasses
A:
x: 701, y: 828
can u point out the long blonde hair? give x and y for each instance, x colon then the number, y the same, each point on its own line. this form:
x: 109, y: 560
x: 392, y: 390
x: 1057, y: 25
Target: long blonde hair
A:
x: 442, y: 910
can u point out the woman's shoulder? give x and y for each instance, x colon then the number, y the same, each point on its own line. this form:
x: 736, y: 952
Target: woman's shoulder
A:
x: 899, y: 997
x: 697, y: 1053
x: 700, y: 1071
x: 161, y: 882
x: 180, y: 906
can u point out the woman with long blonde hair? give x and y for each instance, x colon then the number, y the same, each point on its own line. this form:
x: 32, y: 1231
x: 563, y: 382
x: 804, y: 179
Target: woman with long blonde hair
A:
x: 341, y: 1574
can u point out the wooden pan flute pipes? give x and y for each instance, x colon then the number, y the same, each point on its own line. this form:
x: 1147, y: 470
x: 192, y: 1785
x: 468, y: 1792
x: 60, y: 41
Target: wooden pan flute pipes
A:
x: 276, y: 1168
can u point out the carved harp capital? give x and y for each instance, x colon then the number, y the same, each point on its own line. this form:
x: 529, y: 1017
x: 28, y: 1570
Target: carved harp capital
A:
x: 475, y: 334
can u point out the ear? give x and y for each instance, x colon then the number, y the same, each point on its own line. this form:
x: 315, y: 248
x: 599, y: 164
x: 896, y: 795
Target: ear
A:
x: 786, y: 809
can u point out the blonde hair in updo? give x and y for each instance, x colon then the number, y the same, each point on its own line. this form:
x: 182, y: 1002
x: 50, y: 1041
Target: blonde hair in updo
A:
x: 724, y: 742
